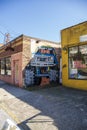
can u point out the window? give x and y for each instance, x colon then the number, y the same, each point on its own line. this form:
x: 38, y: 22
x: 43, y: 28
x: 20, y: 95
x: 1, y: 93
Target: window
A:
x: 78, y: 62
x: 5, y: 66
x: 8, y: 66
x: 2, y: 66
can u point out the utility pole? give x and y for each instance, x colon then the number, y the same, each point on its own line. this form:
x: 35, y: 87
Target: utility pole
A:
x: 6, y: 38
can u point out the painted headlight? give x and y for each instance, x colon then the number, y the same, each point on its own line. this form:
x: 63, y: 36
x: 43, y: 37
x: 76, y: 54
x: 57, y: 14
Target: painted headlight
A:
x: 50, y: 59
x: 38, y: 58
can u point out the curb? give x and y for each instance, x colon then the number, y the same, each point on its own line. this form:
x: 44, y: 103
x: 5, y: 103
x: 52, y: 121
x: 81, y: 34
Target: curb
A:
x: 13, y: 116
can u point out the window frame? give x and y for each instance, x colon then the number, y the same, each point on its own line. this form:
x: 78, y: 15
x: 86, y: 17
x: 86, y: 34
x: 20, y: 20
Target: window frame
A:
x: 2, y: 64
x: 71, y: 57
x: 5, y: 66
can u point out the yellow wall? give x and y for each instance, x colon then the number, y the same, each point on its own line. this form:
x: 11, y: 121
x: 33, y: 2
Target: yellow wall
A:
x: 71, y: 37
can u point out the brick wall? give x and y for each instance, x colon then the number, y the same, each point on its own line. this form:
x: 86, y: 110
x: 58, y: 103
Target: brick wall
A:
x: 4, y: 53
x: 26, y: 53
x: 6, y: 78
x: 15, y: 54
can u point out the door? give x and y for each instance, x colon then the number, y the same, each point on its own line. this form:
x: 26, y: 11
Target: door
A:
x: 16, y: 72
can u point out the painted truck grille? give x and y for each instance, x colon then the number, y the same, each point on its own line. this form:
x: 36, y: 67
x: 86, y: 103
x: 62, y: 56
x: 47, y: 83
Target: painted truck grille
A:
x: 42, y: 61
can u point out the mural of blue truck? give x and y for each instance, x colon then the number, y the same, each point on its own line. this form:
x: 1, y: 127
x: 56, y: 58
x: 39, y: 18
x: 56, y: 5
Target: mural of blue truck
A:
x: 44, y: 63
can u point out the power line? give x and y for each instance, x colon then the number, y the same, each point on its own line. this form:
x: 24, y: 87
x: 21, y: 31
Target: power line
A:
x: 2, y: 33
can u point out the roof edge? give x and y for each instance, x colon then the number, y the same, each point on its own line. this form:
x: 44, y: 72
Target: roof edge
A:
x: 74, y: 25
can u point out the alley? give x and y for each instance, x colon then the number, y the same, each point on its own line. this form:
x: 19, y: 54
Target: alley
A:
x: 55, y: 108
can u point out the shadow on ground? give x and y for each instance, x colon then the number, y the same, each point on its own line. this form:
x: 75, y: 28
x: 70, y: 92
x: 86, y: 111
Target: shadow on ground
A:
x: 67, y: 108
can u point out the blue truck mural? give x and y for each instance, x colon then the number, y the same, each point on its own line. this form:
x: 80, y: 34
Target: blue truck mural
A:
x: 44, y: 63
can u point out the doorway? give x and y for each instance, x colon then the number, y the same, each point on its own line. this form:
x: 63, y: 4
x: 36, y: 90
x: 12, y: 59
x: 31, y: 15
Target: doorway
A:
x: 16, y: 72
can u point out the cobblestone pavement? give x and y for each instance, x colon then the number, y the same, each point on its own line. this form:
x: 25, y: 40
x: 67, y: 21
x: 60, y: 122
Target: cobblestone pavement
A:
x: 55, y: 108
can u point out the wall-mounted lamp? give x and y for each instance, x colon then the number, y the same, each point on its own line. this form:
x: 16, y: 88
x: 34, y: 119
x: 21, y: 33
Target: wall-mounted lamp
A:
x: 37, y: 41
x: 64, y: 66
x: 9, y: 48
x: 65, y: 49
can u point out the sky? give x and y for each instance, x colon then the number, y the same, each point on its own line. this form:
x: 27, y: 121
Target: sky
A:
x: 42, y: 19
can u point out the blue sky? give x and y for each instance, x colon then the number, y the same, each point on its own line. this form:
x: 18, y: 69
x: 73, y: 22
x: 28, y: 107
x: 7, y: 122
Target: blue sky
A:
x: 40, y: 18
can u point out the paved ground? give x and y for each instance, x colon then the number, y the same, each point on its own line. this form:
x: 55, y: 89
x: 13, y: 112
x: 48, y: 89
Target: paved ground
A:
x: 54, y: 108
x: 3, y: 117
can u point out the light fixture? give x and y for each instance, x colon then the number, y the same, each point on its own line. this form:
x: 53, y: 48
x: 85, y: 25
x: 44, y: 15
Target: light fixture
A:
x: 65, y: 49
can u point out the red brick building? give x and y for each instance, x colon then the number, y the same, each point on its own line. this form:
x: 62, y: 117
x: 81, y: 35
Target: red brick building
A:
x: 15, y: 55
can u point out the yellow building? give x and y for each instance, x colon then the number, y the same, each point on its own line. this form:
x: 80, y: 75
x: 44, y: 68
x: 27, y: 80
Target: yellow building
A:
x: 74, y: 56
